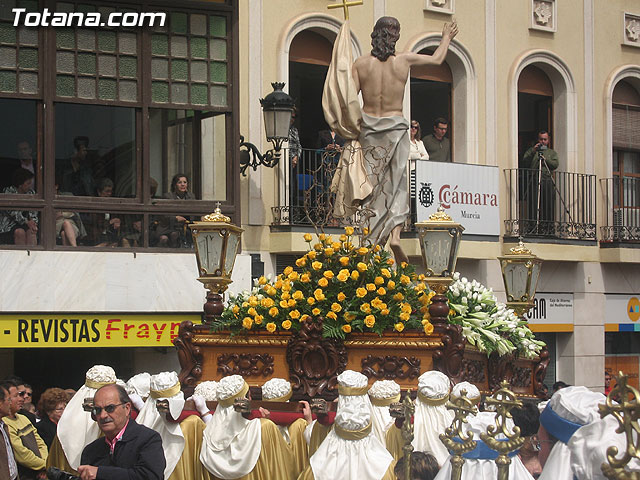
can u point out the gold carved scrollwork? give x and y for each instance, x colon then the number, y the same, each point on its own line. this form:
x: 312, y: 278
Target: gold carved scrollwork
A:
x: 504, y: 400
x: 454, y: 437
x: 626, y: 413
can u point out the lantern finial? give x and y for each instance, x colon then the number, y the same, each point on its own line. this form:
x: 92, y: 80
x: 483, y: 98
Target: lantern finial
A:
x: 216, y: 216
x: 440, y: 215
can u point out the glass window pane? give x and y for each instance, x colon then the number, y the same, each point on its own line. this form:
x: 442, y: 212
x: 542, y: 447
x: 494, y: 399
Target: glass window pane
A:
x: 172, y: 150
x: 28, y: 36
x: 8, y: 57
x: 217, y: 26
x: 159, y: 69
x: 102, y: 229
x: 95, y: 150
x: 28, y: 82
x: 198, y: 47
x: 18, y: 145
x: 179, y: 46
x: 214, y: 158
x: 87, y: 87
x: 19, y: 227
x: 218, y: 49
x: 198, y: 24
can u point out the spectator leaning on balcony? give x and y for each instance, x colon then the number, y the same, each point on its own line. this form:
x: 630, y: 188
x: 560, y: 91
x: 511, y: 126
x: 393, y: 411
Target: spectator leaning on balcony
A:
x: 541, y: 162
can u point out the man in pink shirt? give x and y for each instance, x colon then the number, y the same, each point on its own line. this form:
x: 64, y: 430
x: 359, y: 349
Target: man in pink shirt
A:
x: 128, y: 451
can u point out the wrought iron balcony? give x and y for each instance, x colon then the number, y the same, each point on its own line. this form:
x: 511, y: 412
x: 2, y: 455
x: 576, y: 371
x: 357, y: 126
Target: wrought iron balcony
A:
x: 304, y: 194
x: 561, y: 205
x: 621, y: 209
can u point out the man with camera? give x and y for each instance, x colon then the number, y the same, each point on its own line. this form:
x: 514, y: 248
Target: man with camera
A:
x: 541, y: 161
x: 128, y: 451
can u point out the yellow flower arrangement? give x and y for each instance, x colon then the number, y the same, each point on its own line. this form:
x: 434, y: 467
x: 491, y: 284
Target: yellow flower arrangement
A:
x: 354, y: 287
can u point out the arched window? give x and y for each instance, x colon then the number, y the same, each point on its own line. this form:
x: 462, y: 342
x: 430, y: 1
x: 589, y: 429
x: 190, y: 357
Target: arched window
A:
x: 626, y: 154
x: 535, y: 107
x: 450, y: 90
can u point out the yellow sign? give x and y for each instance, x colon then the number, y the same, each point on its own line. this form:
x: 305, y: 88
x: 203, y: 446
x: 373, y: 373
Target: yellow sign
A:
x: 633, y: 309
x: 87, y: 330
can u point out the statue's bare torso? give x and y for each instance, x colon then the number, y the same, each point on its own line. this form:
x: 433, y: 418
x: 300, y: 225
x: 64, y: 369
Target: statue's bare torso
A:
x: 382, y: 84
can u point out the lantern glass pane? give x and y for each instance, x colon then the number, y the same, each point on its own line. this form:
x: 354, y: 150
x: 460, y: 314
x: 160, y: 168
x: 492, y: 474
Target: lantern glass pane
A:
x: 535, y: 273
x: 437, y: 248
x: 209, y: 250
x: 269, y: 123
x: 283, y: 121
x: 232, y: 250
x: 516, y: 278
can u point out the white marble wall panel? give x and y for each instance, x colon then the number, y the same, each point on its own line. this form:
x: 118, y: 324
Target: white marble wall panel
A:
x: 105, y: 281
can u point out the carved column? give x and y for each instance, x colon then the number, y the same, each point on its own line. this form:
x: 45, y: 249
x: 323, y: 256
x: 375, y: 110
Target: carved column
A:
x: 448, y: 359
x: 190, y: 357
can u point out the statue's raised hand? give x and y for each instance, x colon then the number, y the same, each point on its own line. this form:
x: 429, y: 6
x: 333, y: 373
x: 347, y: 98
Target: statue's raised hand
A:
x: 450, y: 30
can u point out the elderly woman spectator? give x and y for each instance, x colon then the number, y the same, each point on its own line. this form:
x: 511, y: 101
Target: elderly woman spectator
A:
x: 51, y: 405
x: 19, y: 227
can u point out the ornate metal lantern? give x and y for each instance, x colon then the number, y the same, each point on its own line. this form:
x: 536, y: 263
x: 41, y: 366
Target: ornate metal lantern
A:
x: 439, y: 241
x: 277, y: 108
x: 216, y: 242
x: 520, y: 272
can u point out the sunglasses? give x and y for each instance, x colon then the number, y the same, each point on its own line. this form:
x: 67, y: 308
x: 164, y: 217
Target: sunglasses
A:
x: 414, y: 126
x: 23, y: 393
x: 95, y: 411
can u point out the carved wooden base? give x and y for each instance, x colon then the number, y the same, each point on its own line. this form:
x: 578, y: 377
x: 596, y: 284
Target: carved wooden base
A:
x: 312, y: 363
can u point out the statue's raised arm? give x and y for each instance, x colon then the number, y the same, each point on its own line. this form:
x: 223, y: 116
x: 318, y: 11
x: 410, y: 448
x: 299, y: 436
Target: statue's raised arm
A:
x: 449, y: 32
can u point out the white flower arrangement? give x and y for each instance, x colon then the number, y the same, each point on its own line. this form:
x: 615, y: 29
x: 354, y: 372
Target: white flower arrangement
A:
x: 487, y: 323
x: 383, y: 389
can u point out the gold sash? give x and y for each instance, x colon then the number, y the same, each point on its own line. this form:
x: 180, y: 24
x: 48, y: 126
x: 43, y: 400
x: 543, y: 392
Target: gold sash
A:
x: 167, y: 392
x: 384, y: 402
x: 353, y: 391
x: 96, y: 385
x: 434, y: 402
x: 352, y: 434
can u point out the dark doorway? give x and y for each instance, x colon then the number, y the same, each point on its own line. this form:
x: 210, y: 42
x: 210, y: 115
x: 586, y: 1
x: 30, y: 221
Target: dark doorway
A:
x: 429, y: 100
x: 306, y: 82
x: 534, y: 115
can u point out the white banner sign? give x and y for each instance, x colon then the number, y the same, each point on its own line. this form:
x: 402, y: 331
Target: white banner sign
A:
x: 622, y: 309
x: 468, y: 193
x: 556, y: 308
